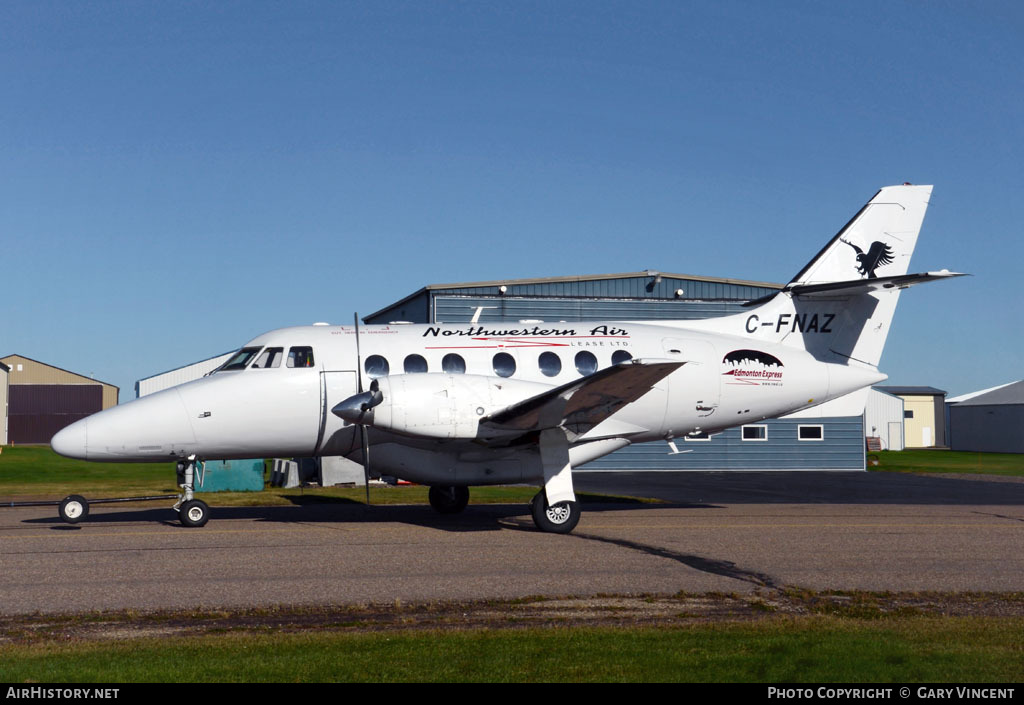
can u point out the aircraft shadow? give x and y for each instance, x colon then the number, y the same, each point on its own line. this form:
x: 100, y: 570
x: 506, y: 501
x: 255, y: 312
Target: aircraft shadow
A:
x: 690, y: 490
x: 805, y: 487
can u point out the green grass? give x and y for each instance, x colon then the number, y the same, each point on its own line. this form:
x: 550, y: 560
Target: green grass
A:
x: 37, y: 472
x: 948, y: 461
x: 780, y: 650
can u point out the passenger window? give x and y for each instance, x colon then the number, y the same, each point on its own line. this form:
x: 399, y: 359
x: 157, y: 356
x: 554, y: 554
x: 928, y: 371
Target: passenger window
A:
x: 620, y: 356
x: 300, y: 357
x: 549, y: 364
x: 504, y: 365
x: 453, y: 364
x: 414, y: 364
x: 239, y: 360
x: 376, y: 366
x: 586, y: 363
x: 271, y: 357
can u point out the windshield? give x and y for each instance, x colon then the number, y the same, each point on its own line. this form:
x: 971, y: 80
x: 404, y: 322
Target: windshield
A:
x: 239, y: 360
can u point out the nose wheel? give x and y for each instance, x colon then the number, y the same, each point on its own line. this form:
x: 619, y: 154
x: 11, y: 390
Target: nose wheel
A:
x: 191, y: 511
x: 194, y: 513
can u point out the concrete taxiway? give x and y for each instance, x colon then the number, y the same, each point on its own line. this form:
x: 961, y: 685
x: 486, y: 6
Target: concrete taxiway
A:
x: 716, y: 532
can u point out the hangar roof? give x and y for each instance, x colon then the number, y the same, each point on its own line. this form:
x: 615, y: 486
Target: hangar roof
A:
x: 1012, y: 393
x: 905, y: 391
x: 51, y: 374
x: 648, y: 284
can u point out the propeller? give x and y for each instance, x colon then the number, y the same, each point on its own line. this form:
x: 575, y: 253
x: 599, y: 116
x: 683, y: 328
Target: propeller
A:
x: 365, y: 405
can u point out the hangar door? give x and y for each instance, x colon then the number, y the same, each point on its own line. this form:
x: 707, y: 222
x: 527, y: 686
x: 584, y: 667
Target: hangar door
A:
x: 37, y: 411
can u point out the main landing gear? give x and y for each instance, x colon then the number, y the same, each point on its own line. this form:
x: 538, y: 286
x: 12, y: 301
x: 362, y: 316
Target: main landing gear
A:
x: 191, y: 511
x: 448, y: 499
x: 558, y: 518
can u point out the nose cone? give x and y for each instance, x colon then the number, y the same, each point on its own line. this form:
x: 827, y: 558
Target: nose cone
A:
x: 72, y: 441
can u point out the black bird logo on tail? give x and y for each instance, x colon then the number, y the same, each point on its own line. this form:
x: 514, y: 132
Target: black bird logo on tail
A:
x: 878, y: 255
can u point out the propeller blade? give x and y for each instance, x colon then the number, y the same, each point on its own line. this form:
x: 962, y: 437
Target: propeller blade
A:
x: 363, y: 405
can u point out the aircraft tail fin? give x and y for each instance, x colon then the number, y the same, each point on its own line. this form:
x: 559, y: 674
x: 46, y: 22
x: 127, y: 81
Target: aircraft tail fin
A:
x: 881, y: 236
x: 840, y: 306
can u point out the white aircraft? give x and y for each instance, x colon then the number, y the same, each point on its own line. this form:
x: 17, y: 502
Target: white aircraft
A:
x: 455, y: 405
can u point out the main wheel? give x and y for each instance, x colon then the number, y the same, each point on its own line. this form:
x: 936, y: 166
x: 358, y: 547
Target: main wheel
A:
x: 73, y: 509
x: 195, y: 512
x: 448, y: 500
x: 560, y: 518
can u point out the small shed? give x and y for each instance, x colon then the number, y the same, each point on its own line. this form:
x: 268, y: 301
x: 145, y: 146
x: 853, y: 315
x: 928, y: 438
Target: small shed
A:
x: 883, y: 418
x: 924, y: 415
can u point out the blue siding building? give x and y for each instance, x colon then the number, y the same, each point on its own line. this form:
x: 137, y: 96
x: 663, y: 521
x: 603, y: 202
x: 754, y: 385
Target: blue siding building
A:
x: 777, y: 444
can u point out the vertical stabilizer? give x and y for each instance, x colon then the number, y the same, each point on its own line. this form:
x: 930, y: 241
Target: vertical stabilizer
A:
x: 878, y: 241
x: 840, y: 306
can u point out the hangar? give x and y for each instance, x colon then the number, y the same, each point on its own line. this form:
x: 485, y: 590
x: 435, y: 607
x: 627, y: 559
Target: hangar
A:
x: 43, y: 399
x: 805, y: 443
x: 989, y: 421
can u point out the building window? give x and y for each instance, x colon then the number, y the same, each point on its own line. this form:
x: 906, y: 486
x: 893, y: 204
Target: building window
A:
x: 620, y: 356
x: 755, y: 433
x: 908, y: 414
x: 453, y: 364
x: 696, y: 436
x: 414, y: 363
x: 810, y: 433
x: 504, y: 364
x: 549, y: 364
x: 586, y: 363
x: 376, y: 366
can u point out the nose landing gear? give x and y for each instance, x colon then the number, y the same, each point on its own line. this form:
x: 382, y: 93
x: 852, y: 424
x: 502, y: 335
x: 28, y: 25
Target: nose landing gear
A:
x: 191, y: 511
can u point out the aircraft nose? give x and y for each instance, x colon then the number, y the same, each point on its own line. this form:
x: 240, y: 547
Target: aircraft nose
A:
x: 72, y: 441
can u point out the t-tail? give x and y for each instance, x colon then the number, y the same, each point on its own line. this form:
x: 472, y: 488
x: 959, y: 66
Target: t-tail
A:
x: 840, y: 306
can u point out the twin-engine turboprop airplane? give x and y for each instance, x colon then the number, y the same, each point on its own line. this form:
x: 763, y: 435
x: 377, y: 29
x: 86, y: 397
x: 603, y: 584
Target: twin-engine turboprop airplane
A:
x: 457, y: 405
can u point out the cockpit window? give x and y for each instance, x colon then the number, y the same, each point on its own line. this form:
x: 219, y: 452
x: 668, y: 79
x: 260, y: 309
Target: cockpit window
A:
x: 271, y: 357
x: 300, y: 356
x: 239, y: 360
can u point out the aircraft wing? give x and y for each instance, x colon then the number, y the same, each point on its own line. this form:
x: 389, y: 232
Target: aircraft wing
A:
x: 579, y: 405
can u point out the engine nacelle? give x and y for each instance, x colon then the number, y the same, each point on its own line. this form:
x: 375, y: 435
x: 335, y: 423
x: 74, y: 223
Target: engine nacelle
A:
x: 435, y: 405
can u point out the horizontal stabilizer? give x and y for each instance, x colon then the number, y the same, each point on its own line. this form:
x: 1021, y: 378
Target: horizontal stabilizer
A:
x: 864, y: 286
x: 582, y: 404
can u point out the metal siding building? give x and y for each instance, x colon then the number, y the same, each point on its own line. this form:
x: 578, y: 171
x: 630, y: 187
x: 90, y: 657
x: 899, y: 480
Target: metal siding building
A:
x: 990, y: 422
x: 883, y: 417
x: 645, y: 296
x: 180, y: 375
x: 43, y: 399
x: 4, y: 374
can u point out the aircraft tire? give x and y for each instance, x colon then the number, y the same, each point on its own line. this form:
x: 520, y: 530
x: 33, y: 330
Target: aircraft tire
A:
x: 194, y: 513
x: 73, y: 509
x: 558, y: 519
x: 448, y: 500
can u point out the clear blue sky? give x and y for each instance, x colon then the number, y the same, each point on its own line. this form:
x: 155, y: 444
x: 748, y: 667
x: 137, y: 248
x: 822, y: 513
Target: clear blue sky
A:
x: 178, y: 177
